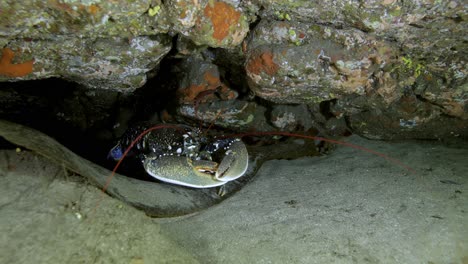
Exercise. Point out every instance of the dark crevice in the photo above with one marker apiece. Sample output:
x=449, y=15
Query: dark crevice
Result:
x=254, y=23
x=84, y=120
x=325, y=108
x=457, y=19
x=416, y=25
x=424, y=100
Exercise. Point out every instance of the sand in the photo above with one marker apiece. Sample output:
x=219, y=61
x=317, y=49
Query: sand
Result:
x=346, y=207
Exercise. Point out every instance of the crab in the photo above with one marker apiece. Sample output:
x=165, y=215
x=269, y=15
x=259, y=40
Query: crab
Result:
x=184, y=157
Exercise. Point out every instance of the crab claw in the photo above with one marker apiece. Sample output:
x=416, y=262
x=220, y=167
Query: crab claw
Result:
x=234, y=163
x=183, y=171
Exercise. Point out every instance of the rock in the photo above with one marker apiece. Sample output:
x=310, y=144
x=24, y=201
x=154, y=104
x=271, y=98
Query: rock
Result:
x=408, y=118
x=291, y=118
x=27, y=19
x=368, y=67
x=384, y=69
x=305, y=64
x=107, y=45
x=234, y=115
x=116, y=63
x=100, y=44
x=183, y=14
x=219, y=25
x=201, y=83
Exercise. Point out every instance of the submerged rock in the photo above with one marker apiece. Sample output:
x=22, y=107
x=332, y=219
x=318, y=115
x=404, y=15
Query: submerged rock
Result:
x=107, y=45
x=383, y=69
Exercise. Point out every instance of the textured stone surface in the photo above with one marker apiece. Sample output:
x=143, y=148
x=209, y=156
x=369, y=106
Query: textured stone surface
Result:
x=201, y=83
x=291, y=118
x=106, y=63
x=296, y=63
x=234, y=115
x=109, y=45
x=393, y=70
x=220, y=25
x=383, y=69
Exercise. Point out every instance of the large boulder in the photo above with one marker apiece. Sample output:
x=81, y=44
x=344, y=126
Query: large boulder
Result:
x=107, y=44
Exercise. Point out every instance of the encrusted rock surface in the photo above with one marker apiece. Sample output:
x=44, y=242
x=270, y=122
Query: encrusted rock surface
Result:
x=391, y=69
x=383, y=69
x=105, y=63
x=108, y=45
x=202, y=84
x=297, y=63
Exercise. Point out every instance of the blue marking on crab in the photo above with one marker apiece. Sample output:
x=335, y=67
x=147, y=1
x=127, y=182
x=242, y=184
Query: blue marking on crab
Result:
x=115, y=153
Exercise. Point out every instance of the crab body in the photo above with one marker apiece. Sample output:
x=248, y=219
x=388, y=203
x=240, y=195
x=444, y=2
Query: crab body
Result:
x=181, y=155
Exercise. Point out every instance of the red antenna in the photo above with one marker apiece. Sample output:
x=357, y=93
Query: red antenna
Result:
x=138, y=138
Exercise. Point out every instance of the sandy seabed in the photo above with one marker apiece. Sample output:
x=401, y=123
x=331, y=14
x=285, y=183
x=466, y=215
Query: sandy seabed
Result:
x=347, y=207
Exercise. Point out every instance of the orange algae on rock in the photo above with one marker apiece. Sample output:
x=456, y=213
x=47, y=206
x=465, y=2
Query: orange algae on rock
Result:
x=222, y=16
x=14, y=70
x=93, y=9
x=204, y=92
x=212, y=80
x=262, y=62
x=189, y=94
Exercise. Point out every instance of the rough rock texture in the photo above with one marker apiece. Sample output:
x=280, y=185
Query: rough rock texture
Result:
x=235, y=115
x=202, y=83
x=383, y=69
x=106, y=63
x=297, y=63
x=397, y=70
x=291, y=117
x=108, y=45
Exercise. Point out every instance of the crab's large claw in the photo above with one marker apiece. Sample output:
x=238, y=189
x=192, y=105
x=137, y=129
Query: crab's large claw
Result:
x=234, y=163
x=181, y=170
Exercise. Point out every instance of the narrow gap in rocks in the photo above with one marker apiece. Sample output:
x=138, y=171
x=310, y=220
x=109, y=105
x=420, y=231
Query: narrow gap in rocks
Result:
x=87, y=121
